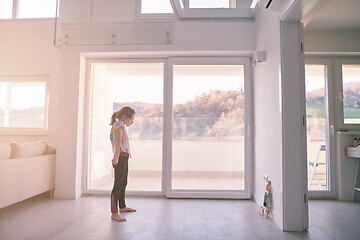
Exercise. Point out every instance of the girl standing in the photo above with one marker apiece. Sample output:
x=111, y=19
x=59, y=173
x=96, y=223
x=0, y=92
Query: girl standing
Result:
x=121, y=149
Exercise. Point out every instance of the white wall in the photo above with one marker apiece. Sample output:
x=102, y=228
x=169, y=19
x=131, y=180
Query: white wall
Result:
x=190, y=35
x=332, y=42
x=293, y=128
x=26, y=48
x=218, y=37
x=267, y=112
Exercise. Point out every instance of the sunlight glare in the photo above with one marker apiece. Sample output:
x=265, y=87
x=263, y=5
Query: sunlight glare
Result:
x=37, y=8
x=6, y=9
x=156, y=6
x=25, y=97
x=209, y=4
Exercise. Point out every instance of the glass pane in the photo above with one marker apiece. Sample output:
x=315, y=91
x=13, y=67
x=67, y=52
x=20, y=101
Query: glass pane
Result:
x=37, y=8
x=23, y=105
x=351, y=91
x=156, y=6
x=212, y=4
x=316, y=126
x=6, y=7
x=208, y=127
x=140, y=86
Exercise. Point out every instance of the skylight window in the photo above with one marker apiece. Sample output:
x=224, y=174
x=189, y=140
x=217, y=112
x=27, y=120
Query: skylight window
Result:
x=212, y=3
x=156, y=6
x=36, y=8
x=182, y=9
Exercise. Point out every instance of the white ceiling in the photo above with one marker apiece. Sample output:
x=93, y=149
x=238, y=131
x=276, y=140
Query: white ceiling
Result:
x=337, y=15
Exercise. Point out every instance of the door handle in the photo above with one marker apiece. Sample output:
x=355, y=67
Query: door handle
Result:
x=332, y=129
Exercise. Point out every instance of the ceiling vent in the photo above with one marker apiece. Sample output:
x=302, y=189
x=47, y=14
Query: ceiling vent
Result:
x=272, y=5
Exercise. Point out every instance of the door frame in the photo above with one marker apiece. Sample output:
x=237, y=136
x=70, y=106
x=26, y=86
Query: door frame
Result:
x=167, y=59
x=330, y=137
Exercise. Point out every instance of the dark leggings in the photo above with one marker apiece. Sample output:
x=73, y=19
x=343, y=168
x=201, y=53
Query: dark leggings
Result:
x=120, y=182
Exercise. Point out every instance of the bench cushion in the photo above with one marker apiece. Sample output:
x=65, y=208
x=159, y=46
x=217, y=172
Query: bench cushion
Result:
x=27, y=149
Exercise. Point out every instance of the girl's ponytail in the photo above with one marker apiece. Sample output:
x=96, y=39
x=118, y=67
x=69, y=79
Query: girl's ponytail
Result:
x=113, y=118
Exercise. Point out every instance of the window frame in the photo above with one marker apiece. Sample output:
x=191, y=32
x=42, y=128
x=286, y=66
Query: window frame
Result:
x=27, y=130
x=331, y=111
x=339, y=91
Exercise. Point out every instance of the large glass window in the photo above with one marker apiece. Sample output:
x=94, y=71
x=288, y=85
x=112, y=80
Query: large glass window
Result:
x=208, y=127
x=351, y=93
x=189, y=134
x=22, y=103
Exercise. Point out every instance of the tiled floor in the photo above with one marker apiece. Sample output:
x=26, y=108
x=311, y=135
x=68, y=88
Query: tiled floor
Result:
x=160, y=218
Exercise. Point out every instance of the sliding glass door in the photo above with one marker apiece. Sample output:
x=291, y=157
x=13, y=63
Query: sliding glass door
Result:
x=208, y=128
x=115, y=84
x=191, y=135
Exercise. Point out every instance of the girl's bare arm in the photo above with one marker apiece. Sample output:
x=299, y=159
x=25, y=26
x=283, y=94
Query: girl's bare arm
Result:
x=118, y=136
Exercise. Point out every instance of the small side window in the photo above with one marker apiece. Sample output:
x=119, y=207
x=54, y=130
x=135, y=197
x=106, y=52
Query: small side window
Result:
x=36, y=8
x=156, y=6
x=154, y=9
x=23, y=103
x=351, y=93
